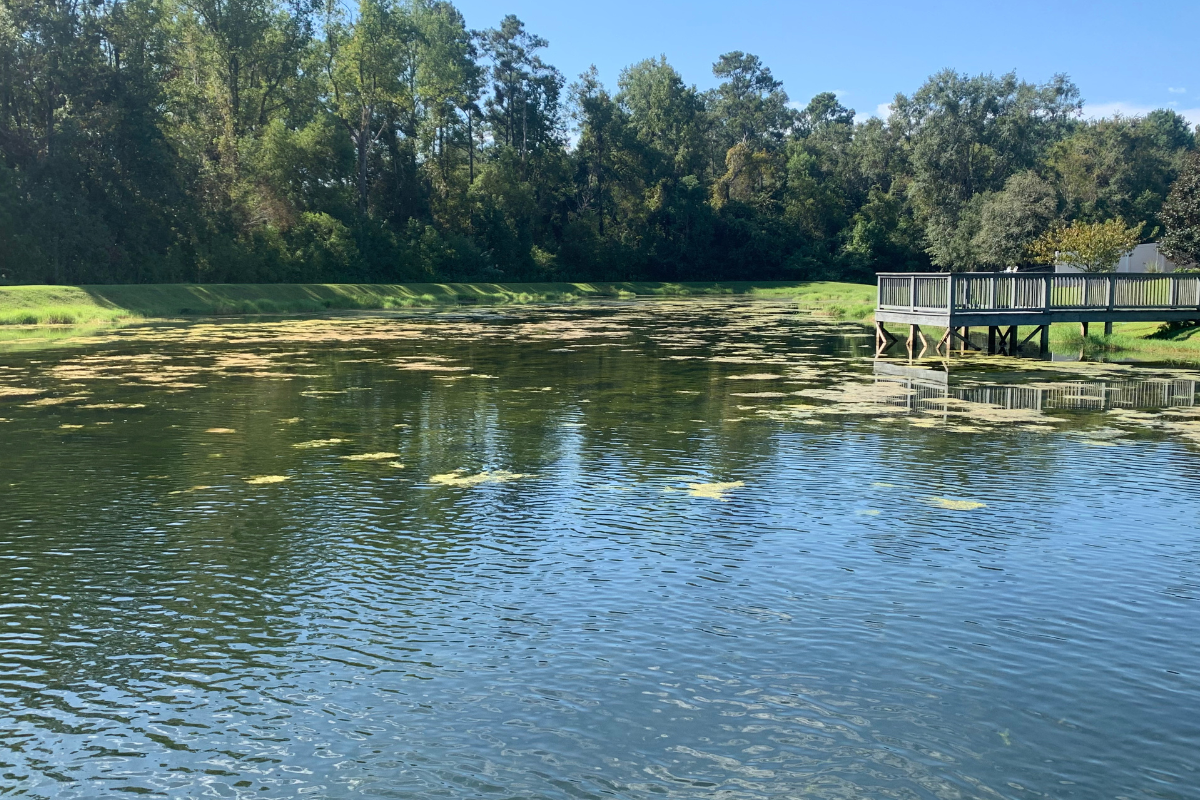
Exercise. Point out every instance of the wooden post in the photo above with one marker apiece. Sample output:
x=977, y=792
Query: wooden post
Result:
x=1108, y=328
x=1083, y=327
x=991, y=340
x=1045, y=340
x=966, y=335
x=1012, y=341
x=912, y=339
x=947, y=339
x=883, y=339
x=1048, y=300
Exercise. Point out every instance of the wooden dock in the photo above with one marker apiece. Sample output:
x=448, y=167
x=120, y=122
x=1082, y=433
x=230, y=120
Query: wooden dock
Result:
x=1003, y=301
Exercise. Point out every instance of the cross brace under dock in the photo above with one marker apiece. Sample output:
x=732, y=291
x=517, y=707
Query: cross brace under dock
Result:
x=1002, y=301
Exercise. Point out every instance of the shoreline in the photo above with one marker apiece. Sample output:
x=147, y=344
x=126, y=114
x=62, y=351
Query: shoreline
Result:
x=31, y=314
x=94, y=304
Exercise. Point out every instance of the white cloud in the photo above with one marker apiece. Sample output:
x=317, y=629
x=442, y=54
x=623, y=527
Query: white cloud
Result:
x=1103, y=110
x=1176, y=90
x=882, y=111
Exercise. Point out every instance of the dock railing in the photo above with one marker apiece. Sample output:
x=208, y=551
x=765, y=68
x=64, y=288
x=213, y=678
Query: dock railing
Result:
x=947, y=292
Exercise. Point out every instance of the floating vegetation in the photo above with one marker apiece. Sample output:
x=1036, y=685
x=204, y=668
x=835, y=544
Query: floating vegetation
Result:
x=202, y=488
x=756, y=376
x=221, y=430
x=382, y=456
x=460, y=477
x=395, y=465
x=55, y=401
x=955, y=505
x=317, y=443
x=714, y=491
x=262, y=480
x=18, y=391
x=758, y=394
x=431, y=366
x=290, y=420
x=68, y=427
x=114, y=406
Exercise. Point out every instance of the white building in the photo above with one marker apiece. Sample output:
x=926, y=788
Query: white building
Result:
x=1143, y=258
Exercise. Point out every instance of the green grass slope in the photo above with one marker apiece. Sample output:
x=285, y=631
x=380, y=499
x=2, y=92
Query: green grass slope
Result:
x=76, y=305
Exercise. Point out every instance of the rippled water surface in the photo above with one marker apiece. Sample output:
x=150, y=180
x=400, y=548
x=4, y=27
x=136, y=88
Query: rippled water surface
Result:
x=693, y=549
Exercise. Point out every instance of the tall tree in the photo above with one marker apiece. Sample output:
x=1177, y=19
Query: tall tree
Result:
x=750, y=104
x=365, y=59
x=966, y=135
x=1181, y=216
x=524, y=107
x=667, y=114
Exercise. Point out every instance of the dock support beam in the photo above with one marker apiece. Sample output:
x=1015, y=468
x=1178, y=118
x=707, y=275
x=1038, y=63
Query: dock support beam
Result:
x=883, y=339
x=915, y=334
x=1083, y=329
x=992, y=339
x=1044, y=344
x=1108, y=328
x=1013, y=347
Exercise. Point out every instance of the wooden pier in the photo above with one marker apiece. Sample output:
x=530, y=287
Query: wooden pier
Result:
x=1003, y=301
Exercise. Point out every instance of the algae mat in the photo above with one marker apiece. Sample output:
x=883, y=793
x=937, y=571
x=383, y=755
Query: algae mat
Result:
x=674, y=548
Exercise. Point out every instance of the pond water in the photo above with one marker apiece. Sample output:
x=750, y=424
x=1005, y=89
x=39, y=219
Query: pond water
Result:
x=694, y=549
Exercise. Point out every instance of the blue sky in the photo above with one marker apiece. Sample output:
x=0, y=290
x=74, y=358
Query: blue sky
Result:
x=1125, y=57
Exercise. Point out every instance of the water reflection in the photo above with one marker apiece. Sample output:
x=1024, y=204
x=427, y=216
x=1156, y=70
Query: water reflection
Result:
x=908, y=584
x=921, y=387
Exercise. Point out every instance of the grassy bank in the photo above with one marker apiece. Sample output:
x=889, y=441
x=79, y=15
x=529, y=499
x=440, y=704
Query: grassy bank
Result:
x=41, y=312
x=98, y=305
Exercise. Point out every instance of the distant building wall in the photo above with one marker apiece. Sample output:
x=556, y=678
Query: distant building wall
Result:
x=1144, y=258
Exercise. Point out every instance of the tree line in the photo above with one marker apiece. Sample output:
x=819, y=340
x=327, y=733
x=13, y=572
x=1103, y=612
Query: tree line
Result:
x=304, y=140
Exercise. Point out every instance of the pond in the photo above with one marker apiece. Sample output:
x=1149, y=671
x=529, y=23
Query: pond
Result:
x=685, y=548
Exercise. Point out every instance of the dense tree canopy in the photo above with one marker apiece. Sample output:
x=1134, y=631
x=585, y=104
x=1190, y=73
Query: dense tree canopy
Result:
x=1181, y=216
x=289, y=140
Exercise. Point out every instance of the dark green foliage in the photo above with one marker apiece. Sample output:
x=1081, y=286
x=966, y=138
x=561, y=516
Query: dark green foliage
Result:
x=1010, y=220
x=301, y=141
x=1181, y=216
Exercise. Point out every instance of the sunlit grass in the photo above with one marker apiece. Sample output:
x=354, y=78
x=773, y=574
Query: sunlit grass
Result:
x=47, y=305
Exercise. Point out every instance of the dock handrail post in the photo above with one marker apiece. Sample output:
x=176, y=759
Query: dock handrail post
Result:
x=992, y=290
x=1112, y=291
x=1048, y=281
x=912, y=292
x=949, y=292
